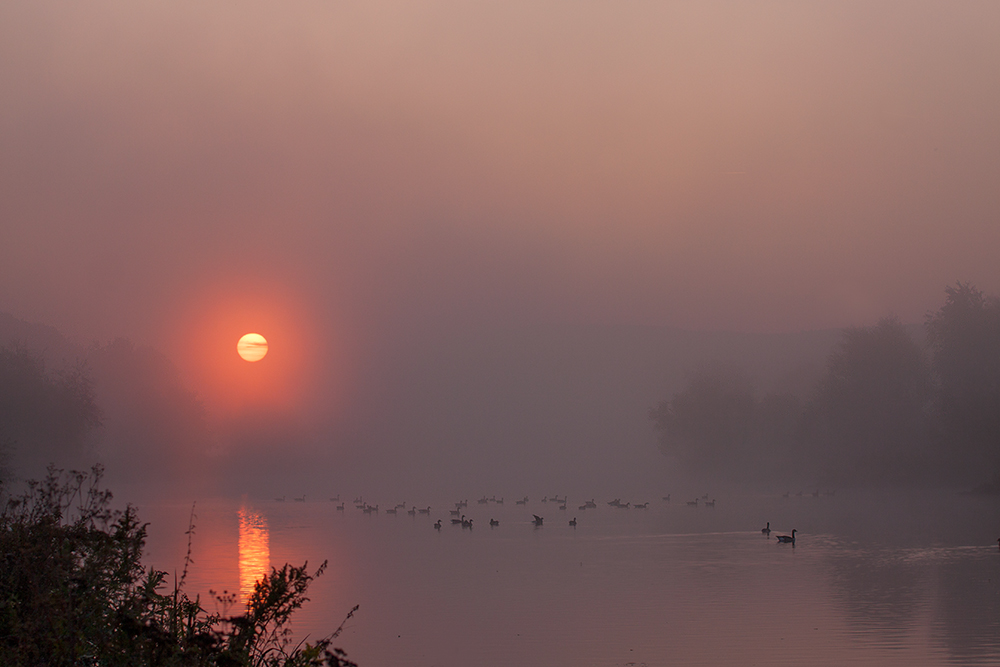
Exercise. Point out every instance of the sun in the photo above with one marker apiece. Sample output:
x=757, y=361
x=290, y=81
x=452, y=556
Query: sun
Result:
x=252, y=347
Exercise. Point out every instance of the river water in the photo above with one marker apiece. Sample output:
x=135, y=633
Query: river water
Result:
x=872, y=578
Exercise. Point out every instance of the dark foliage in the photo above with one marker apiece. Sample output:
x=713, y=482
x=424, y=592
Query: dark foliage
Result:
x=964, y=337
x=885, y=411
x=73, y=591
x=44, y=415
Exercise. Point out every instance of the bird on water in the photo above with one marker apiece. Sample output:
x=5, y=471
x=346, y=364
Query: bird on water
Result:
x=788, y=538
x=766, y=529
x=538, y=519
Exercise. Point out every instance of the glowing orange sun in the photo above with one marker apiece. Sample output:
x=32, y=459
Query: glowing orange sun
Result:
x=252, y=347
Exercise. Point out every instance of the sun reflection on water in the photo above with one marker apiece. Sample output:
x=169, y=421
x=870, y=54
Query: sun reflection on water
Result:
x=254, y=549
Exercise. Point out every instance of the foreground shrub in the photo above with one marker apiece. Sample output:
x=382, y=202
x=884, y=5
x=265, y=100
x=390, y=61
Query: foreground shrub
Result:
x=73, y=591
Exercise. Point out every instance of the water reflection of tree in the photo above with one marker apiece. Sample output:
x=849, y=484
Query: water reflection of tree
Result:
x=967, y=613
x=880, y=594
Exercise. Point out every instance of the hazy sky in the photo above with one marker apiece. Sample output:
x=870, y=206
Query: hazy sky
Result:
x=354, y=174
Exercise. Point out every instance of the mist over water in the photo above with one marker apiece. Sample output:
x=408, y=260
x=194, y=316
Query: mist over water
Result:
x=737, y=254
x=873, y=578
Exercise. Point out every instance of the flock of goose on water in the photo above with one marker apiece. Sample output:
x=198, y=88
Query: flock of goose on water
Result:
x=458, y=518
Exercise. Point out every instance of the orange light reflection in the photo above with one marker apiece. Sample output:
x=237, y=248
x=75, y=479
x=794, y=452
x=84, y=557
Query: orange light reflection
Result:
x=255, y=552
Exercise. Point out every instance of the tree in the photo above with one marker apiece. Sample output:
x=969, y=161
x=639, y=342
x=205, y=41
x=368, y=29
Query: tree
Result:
x=708, y=425
x=964, y=338
x=867, y=422
x=43, y=415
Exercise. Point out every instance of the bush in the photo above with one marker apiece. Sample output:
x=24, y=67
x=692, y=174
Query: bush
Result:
x=73, y=591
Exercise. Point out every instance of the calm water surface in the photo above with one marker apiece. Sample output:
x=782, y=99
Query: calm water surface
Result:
x=873, y=579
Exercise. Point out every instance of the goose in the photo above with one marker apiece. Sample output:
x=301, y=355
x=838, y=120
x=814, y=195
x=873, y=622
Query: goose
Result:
x=412, y=511
x=766, y=530
x=279, y=500
x=785, y=494
x=573, y=522
x=437, y=525
x=583, y=507
x=667, y=497
x=642, y=506
x=392, y=511
x=615, y=503
x=591, y=504
x=563, y=506
x=710, y=503
x=500, y=502
x=483, y=500
x=788, y=538
x=494, y=522
x=458, y=521
x=302, y=499
x=693, y=503
x=455, y=512
x=426, y=511
x=538, y=519
x=467, y=524
x=335, y=499
x=340, y=507
x=522, y=502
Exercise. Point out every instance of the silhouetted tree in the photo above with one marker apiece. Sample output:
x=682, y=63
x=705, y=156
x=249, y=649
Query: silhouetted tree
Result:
x=867, y=423
x=964, y=338
x=44, y=416
x=708, y=425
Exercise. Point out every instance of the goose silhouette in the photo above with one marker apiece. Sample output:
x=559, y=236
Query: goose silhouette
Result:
x=766, y=530
x=788, y=539
x=494, y=522
x=538, y=519
x=573, y=522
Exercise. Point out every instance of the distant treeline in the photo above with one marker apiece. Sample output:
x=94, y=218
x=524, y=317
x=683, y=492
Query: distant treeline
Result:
x=887, y=411
x=117, y=402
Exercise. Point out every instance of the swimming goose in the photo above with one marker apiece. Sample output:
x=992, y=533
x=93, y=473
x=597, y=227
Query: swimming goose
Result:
x=642, y=506
x=538, y=519
x=426, y=511
x=573, y=522
x=494, y=522
x=458, y=521
x=788, y=538
x=340, y=507
x=710, y=503
x=412, y=511
x=667, y=497
x=455, y=512
x=766, y=530
x=467, y=524
x=693, y=503
x=437, y=525
x=392, y=511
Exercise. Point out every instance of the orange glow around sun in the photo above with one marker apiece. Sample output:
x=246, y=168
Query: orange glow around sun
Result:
x=305, y=362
